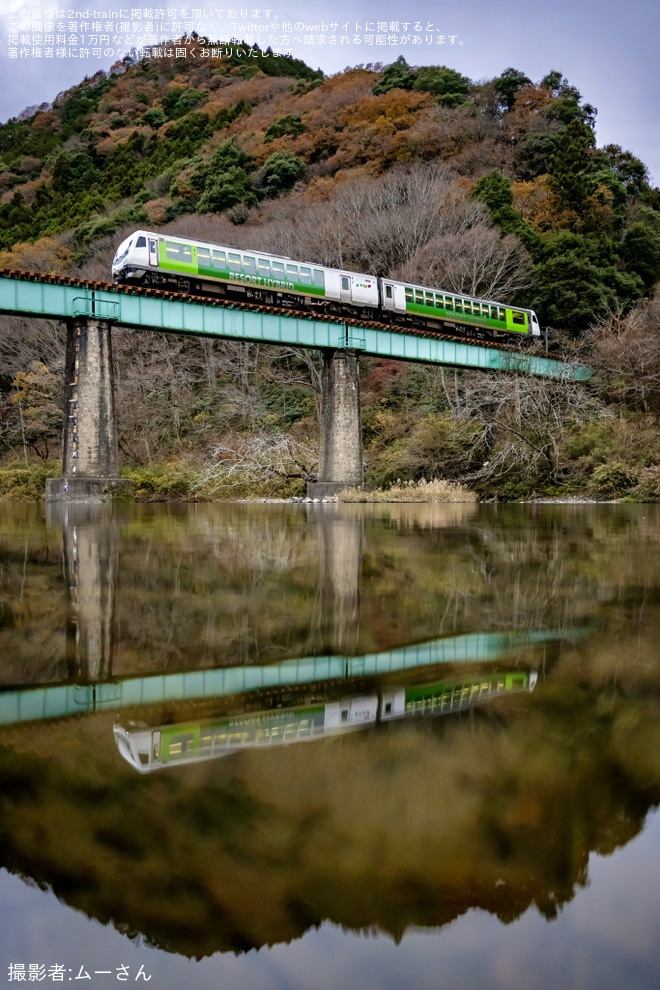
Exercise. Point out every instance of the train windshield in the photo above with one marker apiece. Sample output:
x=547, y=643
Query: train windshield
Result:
x=123, y=250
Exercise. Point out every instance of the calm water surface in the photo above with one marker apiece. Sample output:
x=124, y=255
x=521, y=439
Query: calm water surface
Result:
x=290, y=746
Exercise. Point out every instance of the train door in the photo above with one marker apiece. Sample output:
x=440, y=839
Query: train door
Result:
x=153, y=252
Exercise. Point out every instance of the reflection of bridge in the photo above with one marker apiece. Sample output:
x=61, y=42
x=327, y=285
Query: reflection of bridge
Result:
x=90, y=451
x=58, y=701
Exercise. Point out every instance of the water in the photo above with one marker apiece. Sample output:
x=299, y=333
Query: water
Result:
x=277, y=746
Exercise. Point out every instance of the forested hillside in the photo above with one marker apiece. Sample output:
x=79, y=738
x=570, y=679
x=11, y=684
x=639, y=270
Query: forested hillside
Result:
x=495, y=188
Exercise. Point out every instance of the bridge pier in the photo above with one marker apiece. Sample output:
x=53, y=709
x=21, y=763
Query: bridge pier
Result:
x=90, y=453
x=340, y=461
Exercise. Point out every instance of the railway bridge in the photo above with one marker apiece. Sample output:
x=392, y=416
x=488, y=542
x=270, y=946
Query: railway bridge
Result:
x=90, y=459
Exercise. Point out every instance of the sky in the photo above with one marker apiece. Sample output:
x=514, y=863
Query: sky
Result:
x=608, y=49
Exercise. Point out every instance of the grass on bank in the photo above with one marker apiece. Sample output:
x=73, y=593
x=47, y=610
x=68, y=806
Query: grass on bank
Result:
x=412, y=491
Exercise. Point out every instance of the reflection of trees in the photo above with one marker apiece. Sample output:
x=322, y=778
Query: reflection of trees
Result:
x=228, y=584
x=409, y=825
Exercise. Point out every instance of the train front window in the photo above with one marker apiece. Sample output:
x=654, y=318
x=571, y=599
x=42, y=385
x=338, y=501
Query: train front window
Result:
x=141, y=241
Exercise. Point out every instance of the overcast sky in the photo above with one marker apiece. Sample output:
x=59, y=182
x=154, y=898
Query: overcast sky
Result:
x=608, y=49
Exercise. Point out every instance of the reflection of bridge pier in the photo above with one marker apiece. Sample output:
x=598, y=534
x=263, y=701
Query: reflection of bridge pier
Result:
x=91, y=553
x=340, y=548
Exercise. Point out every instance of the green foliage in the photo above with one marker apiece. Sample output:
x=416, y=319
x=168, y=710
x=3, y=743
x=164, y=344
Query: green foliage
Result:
x=290, y=125
x=613, y=481
x=572, y=169
x=398, y=75
x=449, y=86
x=508, y=85
x=225, y=189
x=640, y=246
x=20, y=483
x=279, y=173
x=154, y=117
x=648, y=489
x=162, y=483
x=435, y=446
x=179, y=101
x=102, y=225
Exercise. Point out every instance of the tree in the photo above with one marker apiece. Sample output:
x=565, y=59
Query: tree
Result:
x=279, y=173
x=508, y=85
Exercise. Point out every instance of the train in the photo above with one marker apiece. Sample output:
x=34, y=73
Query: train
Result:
x=152, y=748
x=200, y=268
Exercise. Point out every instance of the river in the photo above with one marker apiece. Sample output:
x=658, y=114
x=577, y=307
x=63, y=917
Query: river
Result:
x=281, y=747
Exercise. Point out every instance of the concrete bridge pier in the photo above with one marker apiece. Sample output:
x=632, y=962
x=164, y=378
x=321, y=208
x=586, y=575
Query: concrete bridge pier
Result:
x=90, y=453
x=340, y=462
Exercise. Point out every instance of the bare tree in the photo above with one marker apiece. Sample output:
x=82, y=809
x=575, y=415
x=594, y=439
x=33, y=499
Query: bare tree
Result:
x=625, y=348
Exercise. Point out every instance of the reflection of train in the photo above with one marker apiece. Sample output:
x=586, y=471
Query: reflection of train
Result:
x=196, y=267
x=148, y=748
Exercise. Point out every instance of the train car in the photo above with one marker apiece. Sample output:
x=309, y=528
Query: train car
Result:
x=198, y=267
x=444, y=697
x=437, y=308
x=148, y=748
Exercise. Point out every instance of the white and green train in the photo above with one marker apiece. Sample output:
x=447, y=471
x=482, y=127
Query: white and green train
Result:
x=152, y=748
x=200, y=268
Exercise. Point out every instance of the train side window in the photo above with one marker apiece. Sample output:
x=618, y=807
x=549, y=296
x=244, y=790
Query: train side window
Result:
x=220, y=260
x=502, y=315
x=292, y=272
x=429, y=298
x=493, y=313
x=439, y=302
x=319, y=280
x=419, y=297
x=449, y=304
x=519, y=318
x=204, y=257
x=467, y=307
x=388, y=291
x=278, y=269
x=249, y=265
x=234, y=262
x=458, y=305
x=409, y=294
x=305, y=275
x=178, y=252
x=263, y=267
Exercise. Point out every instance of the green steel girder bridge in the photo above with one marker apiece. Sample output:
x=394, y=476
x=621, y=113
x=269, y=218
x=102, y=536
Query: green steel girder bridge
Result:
x=66, y=299
x=90, y=309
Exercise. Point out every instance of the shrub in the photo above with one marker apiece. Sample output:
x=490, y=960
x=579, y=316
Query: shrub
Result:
x=411, y=491
x=611, y=481
x=20, y=483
